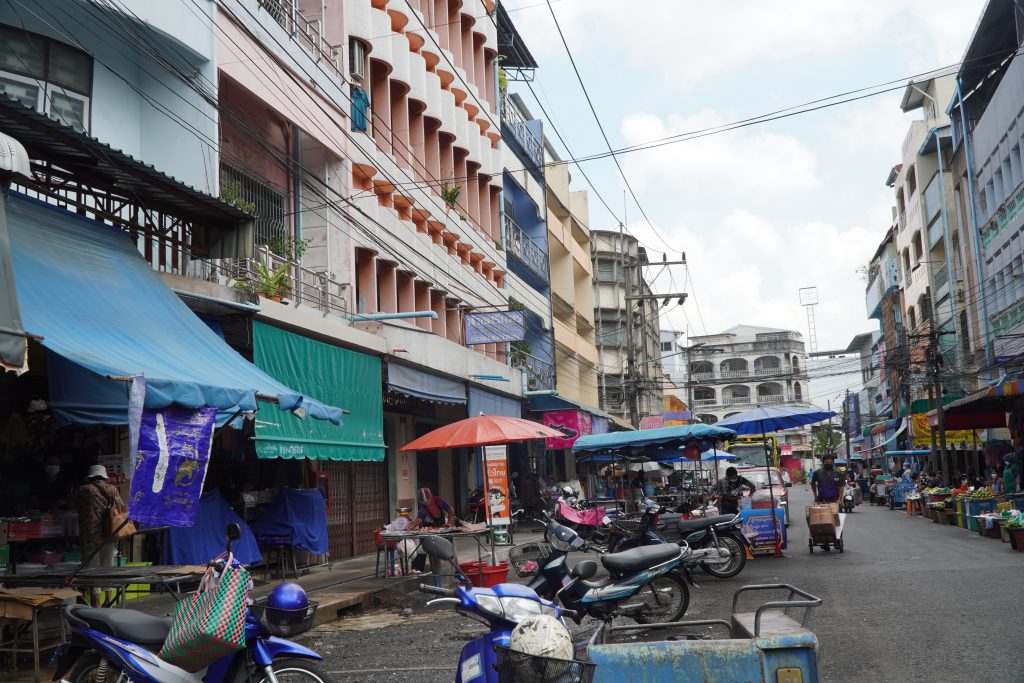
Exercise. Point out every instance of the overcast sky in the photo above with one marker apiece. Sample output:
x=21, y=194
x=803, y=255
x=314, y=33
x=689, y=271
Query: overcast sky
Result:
x=765, y=210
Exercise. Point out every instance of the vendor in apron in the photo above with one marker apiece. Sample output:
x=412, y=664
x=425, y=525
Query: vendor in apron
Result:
x=826, y=482
x=435, y=511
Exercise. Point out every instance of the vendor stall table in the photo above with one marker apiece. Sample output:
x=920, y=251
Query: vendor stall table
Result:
x=21, y=610
x=117, y=579
x=416, y=537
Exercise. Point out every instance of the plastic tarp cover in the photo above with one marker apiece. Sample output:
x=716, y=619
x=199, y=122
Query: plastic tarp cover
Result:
x=205, y=541
x=299, y=514
x=663, y=436
x=95, y=301
x=489, y=403
x=418, y=384
x=332, y=374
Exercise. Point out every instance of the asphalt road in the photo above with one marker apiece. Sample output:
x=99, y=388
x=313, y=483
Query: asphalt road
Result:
x=908, y=600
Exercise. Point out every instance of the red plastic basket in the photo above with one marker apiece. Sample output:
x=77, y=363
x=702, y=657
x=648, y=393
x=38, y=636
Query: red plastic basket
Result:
x=492, y=575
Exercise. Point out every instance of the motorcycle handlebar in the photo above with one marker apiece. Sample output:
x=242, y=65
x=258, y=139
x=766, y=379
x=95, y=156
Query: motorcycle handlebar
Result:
x=437, y=590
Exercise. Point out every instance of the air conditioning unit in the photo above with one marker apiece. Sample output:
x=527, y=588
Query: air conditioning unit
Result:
x=357, y=60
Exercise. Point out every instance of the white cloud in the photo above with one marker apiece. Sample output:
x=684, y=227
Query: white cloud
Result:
x=748, y=269
x=737, y=167
x=686, y=43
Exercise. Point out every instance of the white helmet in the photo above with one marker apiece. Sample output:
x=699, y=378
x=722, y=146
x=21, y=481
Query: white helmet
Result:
x=568, y=492
x=542, y=635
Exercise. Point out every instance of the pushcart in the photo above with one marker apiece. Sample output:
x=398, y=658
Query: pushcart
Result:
x=827, y=537
x=898, y=494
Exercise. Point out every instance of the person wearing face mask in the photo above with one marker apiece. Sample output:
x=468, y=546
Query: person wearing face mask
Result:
x=53, y=486
x=826, y=482
x=730, y=490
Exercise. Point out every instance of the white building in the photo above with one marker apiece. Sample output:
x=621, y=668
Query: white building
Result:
x=673, y=364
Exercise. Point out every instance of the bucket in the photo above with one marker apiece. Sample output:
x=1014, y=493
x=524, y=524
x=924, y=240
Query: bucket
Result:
x=492, y=575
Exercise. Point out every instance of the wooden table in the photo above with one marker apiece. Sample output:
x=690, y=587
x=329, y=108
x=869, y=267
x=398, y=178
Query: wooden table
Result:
x=20, y=612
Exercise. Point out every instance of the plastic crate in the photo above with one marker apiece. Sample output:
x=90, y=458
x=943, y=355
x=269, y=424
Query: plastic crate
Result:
x=525, y=559
x=516, y=667
x=976, y=507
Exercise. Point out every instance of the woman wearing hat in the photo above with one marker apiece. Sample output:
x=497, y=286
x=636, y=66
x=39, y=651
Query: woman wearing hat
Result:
x=94, y=499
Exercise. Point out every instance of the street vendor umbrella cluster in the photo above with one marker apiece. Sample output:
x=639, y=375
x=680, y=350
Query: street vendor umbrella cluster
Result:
x=762, y=420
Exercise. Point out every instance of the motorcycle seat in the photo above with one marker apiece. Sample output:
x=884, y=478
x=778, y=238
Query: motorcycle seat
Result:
x=702, y=522
x=640, y=558
x=126, y=624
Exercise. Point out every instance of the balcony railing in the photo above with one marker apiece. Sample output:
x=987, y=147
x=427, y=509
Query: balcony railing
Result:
x=262, y=198
x=521, y=132
x=704, y=402
x=308, y=34
x=736, y=400
x=701, y=376
x=768, y=371
x=730, y=374
x=525, y=249
x=539, y=374
x=768, y=399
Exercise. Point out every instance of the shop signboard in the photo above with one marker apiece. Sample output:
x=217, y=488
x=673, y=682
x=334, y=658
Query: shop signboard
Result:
x=757, y=526
x=922, y=432
x=171, y=450
x=785, y=450
x=498, y=503
x=651, y=422
x=572, y=423
x=495, y=327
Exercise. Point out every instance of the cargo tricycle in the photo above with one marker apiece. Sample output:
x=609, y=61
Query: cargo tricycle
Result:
x=770, y=643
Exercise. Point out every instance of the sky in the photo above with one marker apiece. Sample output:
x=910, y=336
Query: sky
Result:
x=765, y=210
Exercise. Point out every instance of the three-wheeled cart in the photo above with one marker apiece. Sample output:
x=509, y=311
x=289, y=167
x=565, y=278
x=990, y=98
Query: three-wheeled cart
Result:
x=769, y=644
x=825, y=531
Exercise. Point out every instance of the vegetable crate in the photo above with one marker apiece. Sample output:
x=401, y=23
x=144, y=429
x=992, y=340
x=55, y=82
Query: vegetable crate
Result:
x=976, y=507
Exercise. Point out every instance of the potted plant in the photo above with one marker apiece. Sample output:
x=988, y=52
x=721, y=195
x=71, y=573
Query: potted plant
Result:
x=271, y=283
x=450, y=195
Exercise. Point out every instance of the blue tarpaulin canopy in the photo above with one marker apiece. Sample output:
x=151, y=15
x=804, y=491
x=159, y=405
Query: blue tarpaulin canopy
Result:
x=299, y=516
x=774, y=418
x=652, y=442
x=201, y=543
x=95, y=301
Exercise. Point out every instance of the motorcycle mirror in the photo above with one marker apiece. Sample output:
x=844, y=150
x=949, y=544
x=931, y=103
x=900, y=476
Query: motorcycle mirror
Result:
x=234, y=532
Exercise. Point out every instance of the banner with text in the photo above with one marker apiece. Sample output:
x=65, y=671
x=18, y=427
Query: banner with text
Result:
x=496, y=327
x=572, y=423
x=498, y=503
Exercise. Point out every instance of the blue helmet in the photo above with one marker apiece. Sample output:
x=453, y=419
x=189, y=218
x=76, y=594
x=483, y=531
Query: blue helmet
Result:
x=287, y=596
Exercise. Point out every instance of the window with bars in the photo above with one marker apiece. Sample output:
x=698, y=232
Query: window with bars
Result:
x=609, y=271
x=45, y=75
x=260, y=197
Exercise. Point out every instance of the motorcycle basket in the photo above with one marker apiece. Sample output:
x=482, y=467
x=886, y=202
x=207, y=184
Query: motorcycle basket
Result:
x=516, y=667
x=526, y=558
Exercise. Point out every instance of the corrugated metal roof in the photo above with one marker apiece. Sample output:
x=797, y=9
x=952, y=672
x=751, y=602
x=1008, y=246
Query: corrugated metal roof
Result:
x=100, y=165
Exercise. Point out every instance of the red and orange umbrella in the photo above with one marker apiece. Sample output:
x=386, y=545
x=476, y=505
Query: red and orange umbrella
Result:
x=482, y=430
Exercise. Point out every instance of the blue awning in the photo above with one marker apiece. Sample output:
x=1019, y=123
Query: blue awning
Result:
x=423, y=385
x=96, y=303
x=540, y=404
x=489, y=403
x=661, y=438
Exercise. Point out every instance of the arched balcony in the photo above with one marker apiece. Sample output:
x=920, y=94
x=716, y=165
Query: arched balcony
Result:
x=735, y=394
x=796, y=365
x=707, y=418
x=767, y=365
x=704, y=396
x=797, y=392
x=734, y=367
x=770, y=393
x=701, y=370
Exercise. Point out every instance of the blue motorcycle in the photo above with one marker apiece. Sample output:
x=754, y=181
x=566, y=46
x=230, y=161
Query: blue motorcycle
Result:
x=501, y=608
x=647, y=584
x=121, y=645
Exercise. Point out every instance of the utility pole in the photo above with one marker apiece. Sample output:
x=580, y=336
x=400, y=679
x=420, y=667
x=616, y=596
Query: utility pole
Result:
x=828, y=407
x=628, y=387
x=846, y=427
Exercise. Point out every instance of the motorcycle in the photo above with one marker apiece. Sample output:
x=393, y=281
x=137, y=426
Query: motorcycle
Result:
x=500, y=608
x=590, y=523
x=647, y=584
x=721, y=533
x=120, y=645
x=475, y=511
x=849, y=499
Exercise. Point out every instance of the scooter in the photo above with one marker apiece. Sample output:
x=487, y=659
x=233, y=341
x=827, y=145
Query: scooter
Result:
x=717, y=543
x=590, y=523
x=849, y=498
x=647, y=584
x=475, y=506
x=500, y=608
x=120, y=645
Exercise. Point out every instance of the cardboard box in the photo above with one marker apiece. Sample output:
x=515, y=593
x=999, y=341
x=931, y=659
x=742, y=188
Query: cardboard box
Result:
x=822, y=516
x=17, y=603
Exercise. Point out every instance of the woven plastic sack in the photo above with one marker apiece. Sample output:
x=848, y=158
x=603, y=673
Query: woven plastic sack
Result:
x=210, y=623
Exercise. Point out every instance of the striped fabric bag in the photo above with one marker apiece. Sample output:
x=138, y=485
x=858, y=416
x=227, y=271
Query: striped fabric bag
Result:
x=210, y=623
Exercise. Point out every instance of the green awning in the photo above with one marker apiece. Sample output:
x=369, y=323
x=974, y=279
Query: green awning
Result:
x=336, y=376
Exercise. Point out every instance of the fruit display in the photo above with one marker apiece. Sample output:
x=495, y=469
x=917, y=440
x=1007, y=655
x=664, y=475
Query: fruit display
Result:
x=938, y=491
x=983, y=494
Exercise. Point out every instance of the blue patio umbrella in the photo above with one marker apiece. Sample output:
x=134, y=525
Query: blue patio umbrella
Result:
x=764, y=419
x=714, y=454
